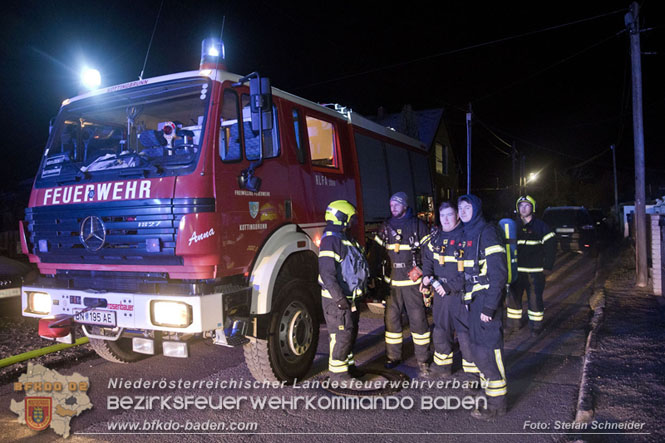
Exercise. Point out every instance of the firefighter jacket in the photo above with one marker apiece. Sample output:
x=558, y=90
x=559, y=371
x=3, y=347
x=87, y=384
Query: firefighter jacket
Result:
x=332, y=251
x=536, y=246
x=400, y=243
x=440, y=259
x=484, y=261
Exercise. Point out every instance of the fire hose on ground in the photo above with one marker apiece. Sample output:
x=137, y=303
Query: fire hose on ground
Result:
x=39, y=352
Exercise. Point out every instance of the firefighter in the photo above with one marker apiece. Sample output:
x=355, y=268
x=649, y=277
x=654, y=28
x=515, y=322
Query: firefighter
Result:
x=441, y=273
x=338, y=298
x=399, y=241
x=536, y=248
x=485, y=274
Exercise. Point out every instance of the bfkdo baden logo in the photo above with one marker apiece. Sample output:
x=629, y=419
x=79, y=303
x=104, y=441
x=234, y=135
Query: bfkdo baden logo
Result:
x=51, y=399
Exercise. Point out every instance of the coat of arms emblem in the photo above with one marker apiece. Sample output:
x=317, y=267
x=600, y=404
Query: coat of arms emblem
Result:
x=253, y=209
x=38, y=412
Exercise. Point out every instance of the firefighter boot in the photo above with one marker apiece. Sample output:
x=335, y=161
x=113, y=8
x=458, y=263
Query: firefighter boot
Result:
x=488, y=414
x=513, y=325
x=343, y=379
x=423, y=370
x=391, y=364
x=496, y=407
x=355, y=372
x=536, y=330
x=441, y=371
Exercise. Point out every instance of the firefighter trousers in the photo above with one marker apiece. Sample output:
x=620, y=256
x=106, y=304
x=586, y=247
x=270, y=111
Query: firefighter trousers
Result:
x=450, y=318
x=343, y=330
x=406, y=299
x=487, y=349
x=534, y=285
x=492, y=375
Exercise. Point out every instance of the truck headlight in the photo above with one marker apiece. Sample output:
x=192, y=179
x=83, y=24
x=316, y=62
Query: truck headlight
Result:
x=39, y=303
x=175, y=314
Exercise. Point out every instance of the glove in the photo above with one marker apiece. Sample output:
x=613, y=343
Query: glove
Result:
x=438, y=288
x=427, y=300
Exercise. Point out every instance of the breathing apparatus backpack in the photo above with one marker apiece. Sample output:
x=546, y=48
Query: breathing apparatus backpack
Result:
x=355, y=270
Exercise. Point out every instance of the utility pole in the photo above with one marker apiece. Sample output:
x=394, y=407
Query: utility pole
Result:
x=468, y=151
x=616, y=188
x=632, y=23
x=556, y=187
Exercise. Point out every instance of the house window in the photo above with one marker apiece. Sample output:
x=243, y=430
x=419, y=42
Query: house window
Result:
x=322, y=148
x=441, y=160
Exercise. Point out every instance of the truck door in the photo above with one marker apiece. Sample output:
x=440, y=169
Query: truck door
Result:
x=247, y=217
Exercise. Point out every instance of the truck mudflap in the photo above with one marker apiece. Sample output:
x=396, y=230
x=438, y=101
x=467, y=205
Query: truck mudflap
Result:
x=186, y=314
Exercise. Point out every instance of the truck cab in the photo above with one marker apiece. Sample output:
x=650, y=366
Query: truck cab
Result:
x=192, y=205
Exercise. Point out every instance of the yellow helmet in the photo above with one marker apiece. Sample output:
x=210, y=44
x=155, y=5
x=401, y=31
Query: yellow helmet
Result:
x=528, y=199
x=340, y=212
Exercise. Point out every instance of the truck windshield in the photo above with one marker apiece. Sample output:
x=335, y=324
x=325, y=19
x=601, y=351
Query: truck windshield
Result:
x=150, y=131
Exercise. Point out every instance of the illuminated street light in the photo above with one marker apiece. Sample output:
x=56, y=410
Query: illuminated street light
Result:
x=532, y=177
x=90, y=78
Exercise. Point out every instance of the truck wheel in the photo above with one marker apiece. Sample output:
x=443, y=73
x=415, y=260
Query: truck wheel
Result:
x=292, y=338
x=119, y=351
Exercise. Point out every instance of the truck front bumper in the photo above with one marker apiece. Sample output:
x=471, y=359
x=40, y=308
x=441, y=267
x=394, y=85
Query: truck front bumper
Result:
x=186, y=314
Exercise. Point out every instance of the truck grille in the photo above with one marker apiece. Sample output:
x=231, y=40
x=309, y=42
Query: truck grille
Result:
x=128, y=224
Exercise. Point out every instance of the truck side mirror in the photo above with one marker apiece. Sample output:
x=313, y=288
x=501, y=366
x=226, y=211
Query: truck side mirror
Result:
x=260, y=102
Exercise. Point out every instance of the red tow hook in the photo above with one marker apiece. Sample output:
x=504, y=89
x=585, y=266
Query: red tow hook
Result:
x=57, y=327
x=61, y=324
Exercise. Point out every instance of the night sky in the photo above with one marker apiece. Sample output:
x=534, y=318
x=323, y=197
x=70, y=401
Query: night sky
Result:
x=563, y=94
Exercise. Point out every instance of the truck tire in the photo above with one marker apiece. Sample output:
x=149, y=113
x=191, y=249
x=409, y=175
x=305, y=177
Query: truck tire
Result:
x=119, y=351
x=293, y=336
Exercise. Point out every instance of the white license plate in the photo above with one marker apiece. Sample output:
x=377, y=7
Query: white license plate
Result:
x=565, y=230
x=11, y=292
x=95, y=317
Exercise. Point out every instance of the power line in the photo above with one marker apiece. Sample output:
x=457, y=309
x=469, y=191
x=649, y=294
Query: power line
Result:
x=458, y=50
x=507, y=154
x=493, y=130
x=528, y=142
x=547, y=68
x=494, y=134
x=589, y=160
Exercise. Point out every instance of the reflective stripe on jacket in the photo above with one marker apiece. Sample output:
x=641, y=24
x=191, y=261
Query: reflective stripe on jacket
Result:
x=536, y=246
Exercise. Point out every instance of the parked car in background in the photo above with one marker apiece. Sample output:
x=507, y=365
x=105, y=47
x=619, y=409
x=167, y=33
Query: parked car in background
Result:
x=574, y=227
x=601, y=223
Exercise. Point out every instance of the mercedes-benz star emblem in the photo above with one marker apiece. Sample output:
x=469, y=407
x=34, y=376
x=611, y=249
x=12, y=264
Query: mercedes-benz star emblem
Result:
x=93, y=233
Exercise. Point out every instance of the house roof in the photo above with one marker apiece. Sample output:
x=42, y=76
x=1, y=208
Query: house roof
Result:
x=422, y=125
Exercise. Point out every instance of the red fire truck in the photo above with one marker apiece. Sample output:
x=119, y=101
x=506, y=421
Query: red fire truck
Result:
x=192, y=205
